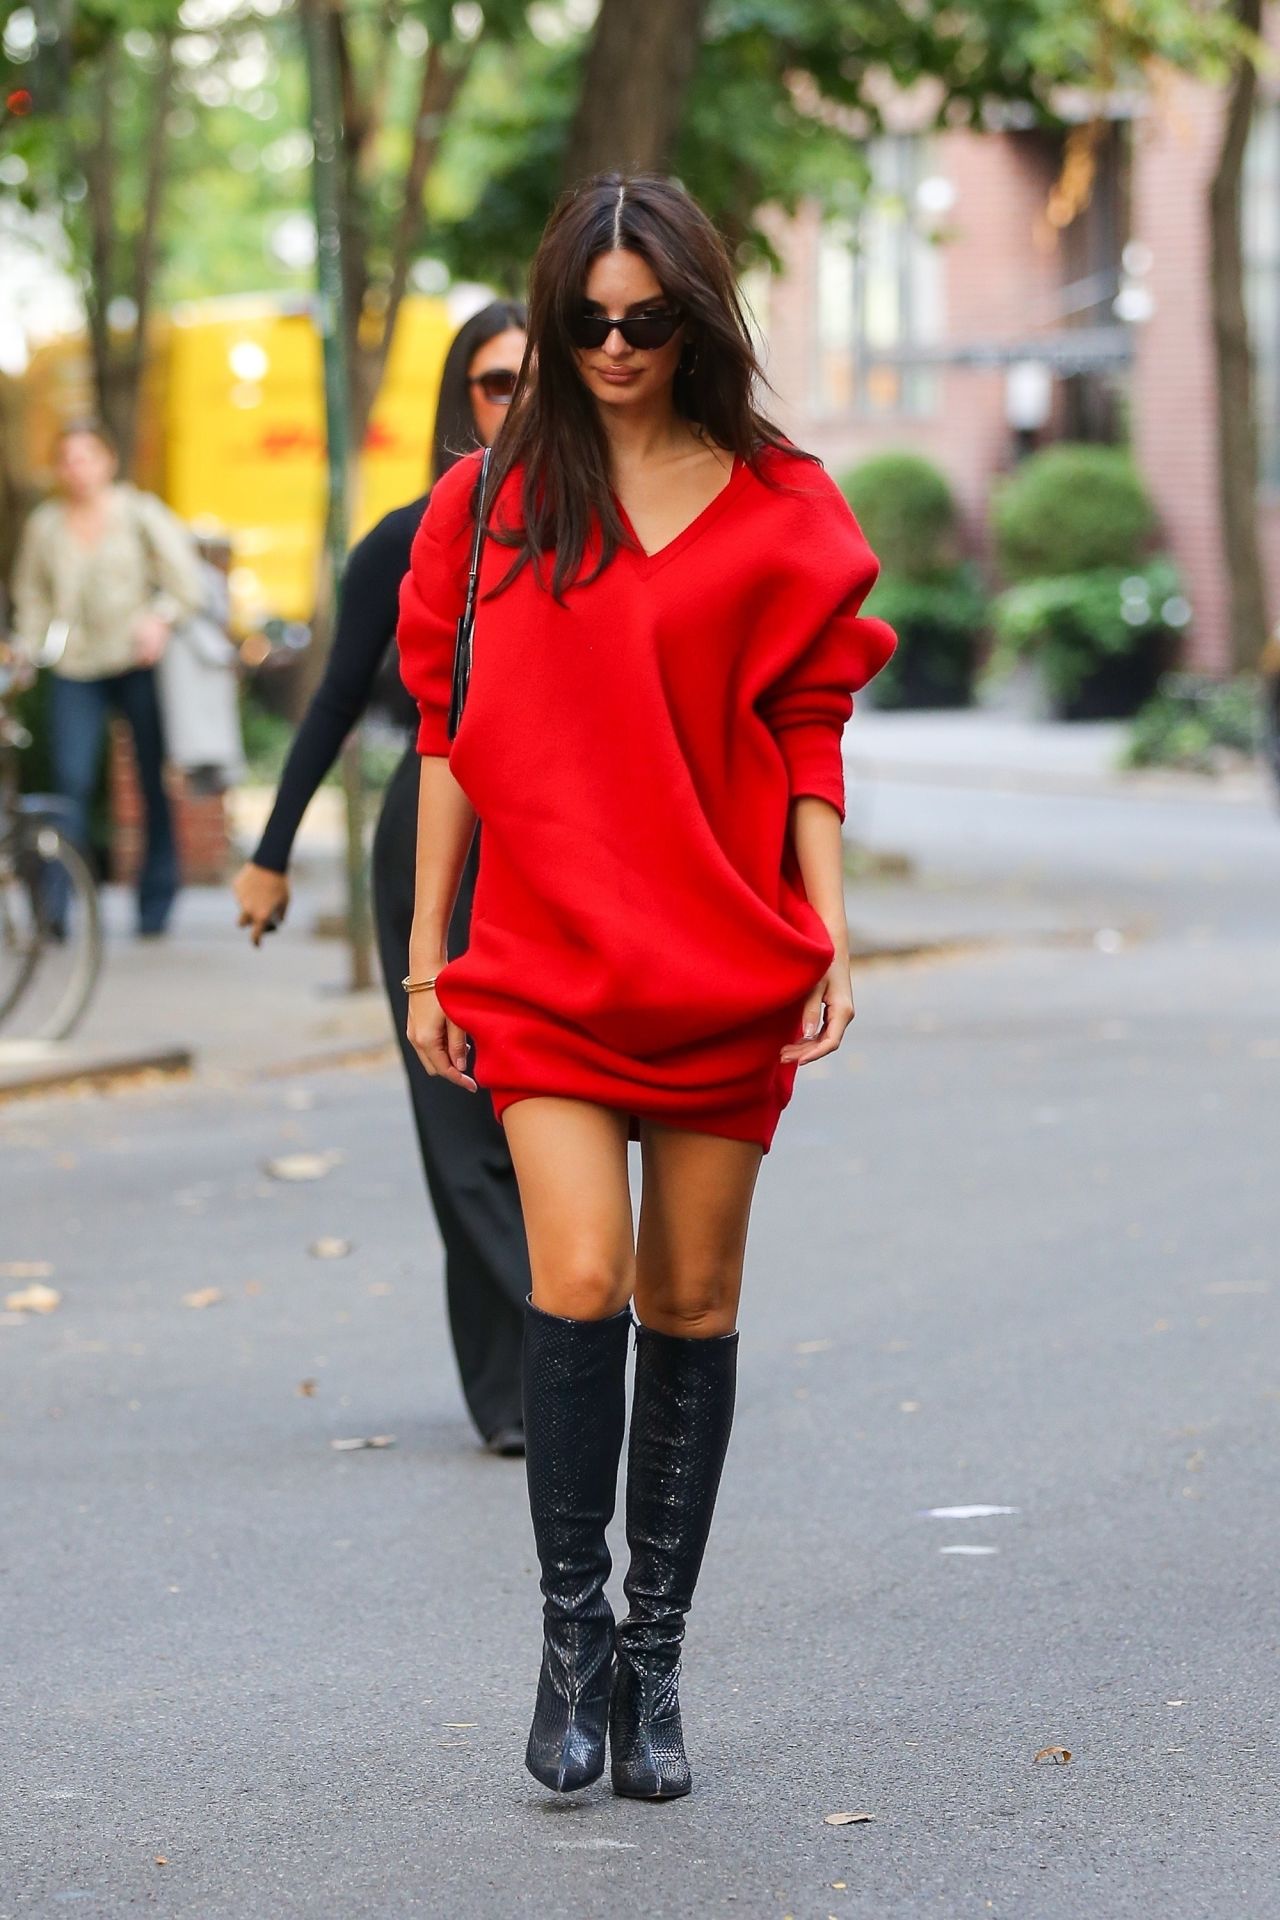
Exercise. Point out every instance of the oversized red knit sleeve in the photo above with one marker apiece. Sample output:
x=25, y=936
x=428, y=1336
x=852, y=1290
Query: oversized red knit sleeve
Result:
x=808, y=705
x=432, y=596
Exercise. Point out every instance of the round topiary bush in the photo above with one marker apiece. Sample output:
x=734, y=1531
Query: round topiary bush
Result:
x=1071, y=509
x=907, y=510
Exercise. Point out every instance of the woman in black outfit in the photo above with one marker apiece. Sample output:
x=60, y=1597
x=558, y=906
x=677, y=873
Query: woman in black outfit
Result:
x=464, y=1152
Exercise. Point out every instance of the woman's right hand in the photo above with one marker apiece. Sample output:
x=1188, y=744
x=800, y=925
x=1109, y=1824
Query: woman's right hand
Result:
x=263, y=899
x=439, y=1044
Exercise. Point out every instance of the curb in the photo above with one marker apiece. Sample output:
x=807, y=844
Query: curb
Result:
x=34, y=1067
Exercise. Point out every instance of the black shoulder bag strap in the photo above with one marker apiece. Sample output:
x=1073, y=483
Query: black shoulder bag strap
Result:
x=462, y=646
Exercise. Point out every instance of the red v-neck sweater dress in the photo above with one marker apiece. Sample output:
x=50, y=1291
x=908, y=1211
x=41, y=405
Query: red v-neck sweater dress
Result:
x=641, y=936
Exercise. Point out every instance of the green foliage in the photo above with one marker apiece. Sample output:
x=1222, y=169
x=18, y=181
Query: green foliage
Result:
x=939, y=623
x=1075, y=622
x=907, y=510
x=1196, y=723
x=1069, y=510
x=267, y=739
x=784, y=94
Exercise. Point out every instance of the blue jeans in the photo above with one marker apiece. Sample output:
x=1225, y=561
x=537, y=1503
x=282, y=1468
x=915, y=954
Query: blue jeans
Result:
x=78, y=711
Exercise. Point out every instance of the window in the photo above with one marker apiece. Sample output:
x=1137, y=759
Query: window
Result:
x=879, y=290
x=1262, y=282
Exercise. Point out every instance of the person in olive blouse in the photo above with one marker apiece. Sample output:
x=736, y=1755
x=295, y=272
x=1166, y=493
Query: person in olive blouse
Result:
x=104, y=573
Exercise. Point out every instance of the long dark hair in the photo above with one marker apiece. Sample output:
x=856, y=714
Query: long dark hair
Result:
x=553, y=429
x=455, y=428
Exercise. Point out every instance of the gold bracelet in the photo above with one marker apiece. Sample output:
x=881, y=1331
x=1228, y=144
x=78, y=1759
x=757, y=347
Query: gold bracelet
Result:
x=419, y=986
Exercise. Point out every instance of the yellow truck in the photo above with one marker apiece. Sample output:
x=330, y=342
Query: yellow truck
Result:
x=232, y=432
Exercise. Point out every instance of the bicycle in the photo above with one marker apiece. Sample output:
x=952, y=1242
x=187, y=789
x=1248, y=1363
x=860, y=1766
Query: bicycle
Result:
x=50, y=925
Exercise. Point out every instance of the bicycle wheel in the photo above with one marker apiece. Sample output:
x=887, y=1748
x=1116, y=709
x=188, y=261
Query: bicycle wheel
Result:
x=19, y=934
x=51, y=895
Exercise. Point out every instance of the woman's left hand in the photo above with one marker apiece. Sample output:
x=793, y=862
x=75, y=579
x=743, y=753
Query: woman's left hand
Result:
x=826, y=1017
x=150, y=638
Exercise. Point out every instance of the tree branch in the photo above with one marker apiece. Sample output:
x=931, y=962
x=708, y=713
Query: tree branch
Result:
x=442, y=80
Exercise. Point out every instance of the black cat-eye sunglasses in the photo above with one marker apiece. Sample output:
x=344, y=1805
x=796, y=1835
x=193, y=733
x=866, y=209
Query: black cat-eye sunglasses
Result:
x=644, y=331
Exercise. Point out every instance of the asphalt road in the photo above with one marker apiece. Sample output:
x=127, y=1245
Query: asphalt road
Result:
x=1015, y=1247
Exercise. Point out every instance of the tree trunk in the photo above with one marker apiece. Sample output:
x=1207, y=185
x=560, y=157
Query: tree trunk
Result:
x=634, y=85
x=1237, y=427
x=97, y=167
x=146, y=249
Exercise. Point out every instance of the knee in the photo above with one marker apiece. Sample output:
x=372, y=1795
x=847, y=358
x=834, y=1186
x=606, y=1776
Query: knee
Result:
x=585, y=1285
x=700, y=1306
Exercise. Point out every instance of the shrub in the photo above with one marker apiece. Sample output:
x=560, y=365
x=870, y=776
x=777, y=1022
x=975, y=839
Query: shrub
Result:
x=907, y=510
x=1196, y=723
x=939, y=624
x=1075, y=624
x=1071, y=509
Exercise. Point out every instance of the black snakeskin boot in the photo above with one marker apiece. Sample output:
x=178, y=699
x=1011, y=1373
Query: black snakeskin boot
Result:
x=680, y=1423
x=574, y=1412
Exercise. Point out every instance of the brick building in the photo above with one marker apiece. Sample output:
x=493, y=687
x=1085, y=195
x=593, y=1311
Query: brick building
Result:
x=980, y=310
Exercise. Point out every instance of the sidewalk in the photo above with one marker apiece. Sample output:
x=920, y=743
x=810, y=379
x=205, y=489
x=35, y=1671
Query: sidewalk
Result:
x=979, y=747
x=206, y=1000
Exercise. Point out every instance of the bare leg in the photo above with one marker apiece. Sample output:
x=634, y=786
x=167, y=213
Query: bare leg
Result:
x=693, y=1230
x=571, y=1163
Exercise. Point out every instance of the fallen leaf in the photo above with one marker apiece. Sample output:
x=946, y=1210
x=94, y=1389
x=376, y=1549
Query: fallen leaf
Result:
x=846, y=1819
x=202, y=1297
x=1059, y=1756
x=162, y=1860
x=33, y=1299
x=307, y=1388
x=372, y=1440
x=25, y=1269
x=301, y=1166
x=329, y=1249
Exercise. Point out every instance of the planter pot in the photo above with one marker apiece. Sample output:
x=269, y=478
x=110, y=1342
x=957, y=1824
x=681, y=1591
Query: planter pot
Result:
x=1118, y=686
x=922, y=682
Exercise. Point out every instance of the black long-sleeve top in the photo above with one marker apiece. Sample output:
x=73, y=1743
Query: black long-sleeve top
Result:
x=367, y=609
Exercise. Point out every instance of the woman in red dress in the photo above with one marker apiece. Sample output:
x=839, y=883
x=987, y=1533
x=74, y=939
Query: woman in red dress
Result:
x=667, y=641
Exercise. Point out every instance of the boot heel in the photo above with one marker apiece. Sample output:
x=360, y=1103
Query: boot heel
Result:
x=646, y=1739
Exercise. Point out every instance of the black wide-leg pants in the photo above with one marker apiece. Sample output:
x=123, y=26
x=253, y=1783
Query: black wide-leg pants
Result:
x=464, y=1152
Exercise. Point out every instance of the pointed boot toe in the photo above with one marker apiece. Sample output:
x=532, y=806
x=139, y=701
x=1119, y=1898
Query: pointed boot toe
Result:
x=566, y=1749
